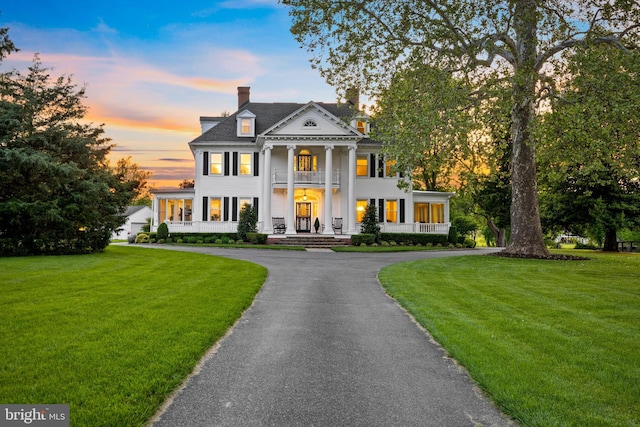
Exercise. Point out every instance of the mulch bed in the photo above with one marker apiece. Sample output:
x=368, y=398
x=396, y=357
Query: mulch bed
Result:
x=552, y=257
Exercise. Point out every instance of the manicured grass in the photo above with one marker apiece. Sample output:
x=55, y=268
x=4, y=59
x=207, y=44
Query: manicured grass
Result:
x=555, y=343
x=242, y=246
x=113, y=334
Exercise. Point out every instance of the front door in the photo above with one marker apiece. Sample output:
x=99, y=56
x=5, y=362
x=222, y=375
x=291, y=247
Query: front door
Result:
x=303, y=217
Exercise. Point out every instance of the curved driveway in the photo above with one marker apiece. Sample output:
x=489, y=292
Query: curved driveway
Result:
x=323, y=345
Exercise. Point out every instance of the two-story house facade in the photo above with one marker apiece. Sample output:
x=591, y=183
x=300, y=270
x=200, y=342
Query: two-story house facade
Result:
x=294, y=163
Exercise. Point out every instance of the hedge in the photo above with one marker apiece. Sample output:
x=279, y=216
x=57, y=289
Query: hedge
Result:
x=406, y=238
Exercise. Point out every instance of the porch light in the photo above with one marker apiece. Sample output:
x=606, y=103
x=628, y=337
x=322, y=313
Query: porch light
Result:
x=304, y=196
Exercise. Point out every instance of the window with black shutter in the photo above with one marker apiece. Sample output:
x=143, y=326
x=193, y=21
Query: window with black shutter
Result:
x=235, y=163
x=226, y=209
x=226, y=163
x=205, y=208
x=256, y=163
x=234, y=209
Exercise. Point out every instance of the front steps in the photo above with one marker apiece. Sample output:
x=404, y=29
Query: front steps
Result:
x=311, y=241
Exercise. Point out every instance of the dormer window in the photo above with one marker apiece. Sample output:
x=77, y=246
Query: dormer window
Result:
x=246, y=124
x=361, y=123
x=310, y=123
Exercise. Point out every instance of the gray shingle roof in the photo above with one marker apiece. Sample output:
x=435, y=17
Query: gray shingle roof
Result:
x=267, y=115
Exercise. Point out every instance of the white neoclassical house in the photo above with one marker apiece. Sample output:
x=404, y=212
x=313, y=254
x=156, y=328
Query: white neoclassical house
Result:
x=295, y=163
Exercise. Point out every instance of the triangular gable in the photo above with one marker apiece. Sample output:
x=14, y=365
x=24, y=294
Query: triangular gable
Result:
x=311, y=120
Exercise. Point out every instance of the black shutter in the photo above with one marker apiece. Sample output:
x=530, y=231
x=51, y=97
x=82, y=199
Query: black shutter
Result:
x=372, y=202
x=205, y=163
x=381, y=211
x=255, y=205
x=381, y=166
x=205, y=208
x=226, y=209
x=235, y=163
x=234, y=209
x=256, y=164
x=402, y=211
x=372, y=165
x=226, y=163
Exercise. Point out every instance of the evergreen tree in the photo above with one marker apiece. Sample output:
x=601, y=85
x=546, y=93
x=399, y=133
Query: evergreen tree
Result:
x=370, y=222
x=247, y=222
x=58, y=194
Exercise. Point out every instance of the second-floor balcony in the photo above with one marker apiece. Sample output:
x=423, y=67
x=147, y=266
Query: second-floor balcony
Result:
x=308, y=178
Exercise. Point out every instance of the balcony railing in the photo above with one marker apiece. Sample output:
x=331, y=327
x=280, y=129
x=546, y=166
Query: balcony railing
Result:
x=304, y=177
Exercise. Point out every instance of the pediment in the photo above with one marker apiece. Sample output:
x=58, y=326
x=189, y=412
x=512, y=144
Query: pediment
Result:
x=311, y=121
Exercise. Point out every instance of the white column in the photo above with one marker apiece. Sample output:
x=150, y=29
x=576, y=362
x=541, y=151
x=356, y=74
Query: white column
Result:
x=351, y=206
x=265, y=209
x=328, y=175
x=290, y=217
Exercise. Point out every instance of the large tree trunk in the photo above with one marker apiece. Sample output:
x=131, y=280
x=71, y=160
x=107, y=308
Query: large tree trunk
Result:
x=526, y=231
x=610, y=241
x=500, y=234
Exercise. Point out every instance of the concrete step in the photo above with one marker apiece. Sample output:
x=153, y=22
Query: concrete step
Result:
x=318, y=242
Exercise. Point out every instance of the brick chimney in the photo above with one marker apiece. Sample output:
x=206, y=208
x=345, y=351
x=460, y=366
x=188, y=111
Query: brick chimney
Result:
x=353, y=97
x=243, y=95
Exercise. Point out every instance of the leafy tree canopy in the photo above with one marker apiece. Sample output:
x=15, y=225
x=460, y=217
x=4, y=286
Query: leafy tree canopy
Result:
x=590, y=155
x=364, y=43
x=58, y=194
x=423, y=117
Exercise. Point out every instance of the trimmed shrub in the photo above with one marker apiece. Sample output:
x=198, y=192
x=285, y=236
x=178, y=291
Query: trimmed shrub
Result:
x=163, y=231
x=414, y=239
x=370, y=222
x=469, y=243
x=585, y=246
x=362, y=239
x=247, y=223
x=142, y=238
x=257, y=238
x=453, y=234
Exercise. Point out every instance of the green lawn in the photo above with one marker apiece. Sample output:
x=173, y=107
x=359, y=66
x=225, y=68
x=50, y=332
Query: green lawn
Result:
x=554, y=343
x=113, y=334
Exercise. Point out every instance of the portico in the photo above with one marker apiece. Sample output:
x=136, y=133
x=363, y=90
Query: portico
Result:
x=313, y=175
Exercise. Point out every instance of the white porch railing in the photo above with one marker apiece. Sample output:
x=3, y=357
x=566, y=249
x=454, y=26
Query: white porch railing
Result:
x=418, y=227
x=304, y=177
x=202, y=227
x=232, y=227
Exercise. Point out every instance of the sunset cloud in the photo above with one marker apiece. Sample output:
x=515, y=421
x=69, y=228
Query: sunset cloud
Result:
x=151, y=72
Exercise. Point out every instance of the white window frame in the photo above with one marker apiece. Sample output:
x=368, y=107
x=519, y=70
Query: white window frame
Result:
x=250, y=164
x=395, y=212
x=211, y=155
x=366, y=157
x=241, y=119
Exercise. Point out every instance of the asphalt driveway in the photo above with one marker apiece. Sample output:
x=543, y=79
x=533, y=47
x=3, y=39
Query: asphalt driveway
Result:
x=323, y=345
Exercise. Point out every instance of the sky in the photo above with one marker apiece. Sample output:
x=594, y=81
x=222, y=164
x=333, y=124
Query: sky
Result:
x=151, y=69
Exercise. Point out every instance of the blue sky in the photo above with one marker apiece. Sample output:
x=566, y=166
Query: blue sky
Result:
x=153, y=68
